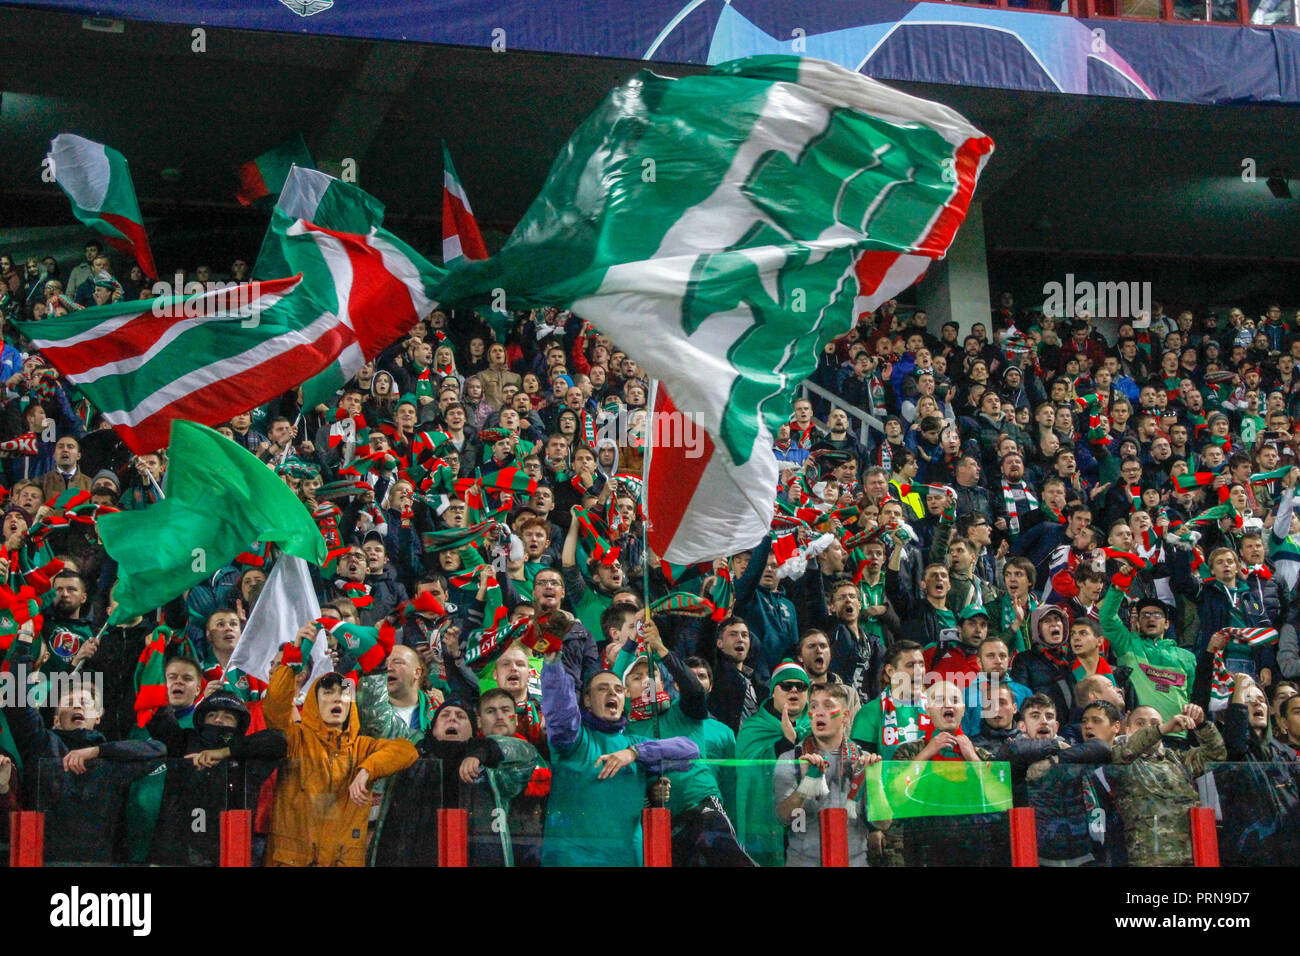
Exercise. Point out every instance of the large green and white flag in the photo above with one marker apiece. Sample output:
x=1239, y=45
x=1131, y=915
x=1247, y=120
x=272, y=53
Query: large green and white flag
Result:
x=722, y=229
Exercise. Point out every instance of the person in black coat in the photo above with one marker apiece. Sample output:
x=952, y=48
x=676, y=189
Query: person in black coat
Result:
x=225, y=771
x=1045, y=668
x=75, y=774
x=1260, y=787
x=1057, y=795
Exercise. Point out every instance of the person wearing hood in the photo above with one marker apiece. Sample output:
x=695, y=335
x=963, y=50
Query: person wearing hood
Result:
x=214, y=764
x=1261, y=795
x=703, y=834
x=607, y=457
x=1046, y=668
x=781, y=721
x=322, y=796
x=1013, y=390
x=600, y=773
x=74, y=773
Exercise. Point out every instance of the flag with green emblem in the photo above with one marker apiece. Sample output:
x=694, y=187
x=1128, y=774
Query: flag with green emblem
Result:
x=723, y=228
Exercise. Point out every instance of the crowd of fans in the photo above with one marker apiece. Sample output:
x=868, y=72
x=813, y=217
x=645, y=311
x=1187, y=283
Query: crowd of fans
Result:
x=1066, y=554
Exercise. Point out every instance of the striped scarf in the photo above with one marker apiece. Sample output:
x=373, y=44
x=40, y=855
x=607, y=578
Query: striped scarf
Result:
x=853, y=767
x=1011, y=495
x=1079, y=672
x=1224, y=684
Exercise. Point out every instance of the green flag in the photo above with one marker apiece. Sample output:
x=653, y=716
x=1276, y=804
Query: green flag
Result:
x=219, y=500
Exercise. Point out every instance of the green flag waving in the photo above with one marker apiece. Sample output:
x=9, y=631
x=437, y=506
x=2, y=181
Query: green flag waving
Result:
x=219, y=500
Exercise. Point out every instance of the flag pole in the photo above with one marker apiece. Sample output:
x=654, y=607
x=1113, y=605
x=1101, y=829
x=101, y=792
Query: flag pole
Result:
x=645, y=554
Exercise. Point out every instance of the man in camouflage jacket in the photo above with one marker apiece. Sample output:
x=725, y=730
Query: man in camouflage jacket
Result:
x=1155, y=786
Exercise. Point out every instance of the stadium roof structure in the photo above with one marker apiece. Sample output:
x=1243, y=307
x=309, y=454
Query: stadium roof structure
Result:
x=1081, y=173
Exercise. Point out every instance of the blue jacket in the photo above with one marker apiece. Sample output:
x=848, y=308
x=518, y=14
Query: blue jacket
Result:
x=773, y=623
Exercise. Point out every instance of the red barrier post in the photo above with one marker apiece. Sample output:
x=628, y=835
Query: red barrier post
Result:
x=26, y=838
x=453, y=838
x=237, y=838
x=833, y=822
x=656, y=837
x=1024, y=837
x=1205, y=838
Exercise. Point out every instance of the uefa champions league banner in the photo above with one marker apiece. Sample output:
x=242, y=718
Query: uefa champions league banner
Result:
x=886, y=39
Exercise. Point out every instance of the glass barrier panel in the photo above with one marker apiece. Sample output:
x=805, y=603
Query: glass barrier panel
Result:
x=1273, y=12
x=1136, y=814
x=124, y=810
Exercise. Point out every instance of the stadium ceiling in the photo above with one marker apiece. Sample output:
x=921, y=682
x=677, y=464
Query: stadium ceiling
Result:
x=1071, y=173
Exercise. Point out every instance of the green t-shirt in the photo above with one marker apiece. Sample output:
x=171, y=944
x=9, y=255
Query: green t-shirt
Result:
x=870, y=727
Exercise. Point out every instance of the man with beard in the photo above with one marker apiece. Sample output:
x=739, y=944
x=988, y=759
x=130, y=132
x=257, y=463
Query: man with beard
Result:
x=1161, y=671
x=600, y=773
x=780, y=722
x=959, y=659
x=814, y=655
x=68, y=625
x=84, y=802
x=214, y=764
x=580, y=656
x=1017, y=499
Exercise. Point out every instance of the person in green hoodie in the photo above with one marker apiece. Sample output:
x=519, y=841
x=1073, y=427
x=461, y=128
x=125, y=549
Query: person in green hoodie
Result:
x=600, y=773
x=1162, y=672
x=780, y=721
x=702, y=832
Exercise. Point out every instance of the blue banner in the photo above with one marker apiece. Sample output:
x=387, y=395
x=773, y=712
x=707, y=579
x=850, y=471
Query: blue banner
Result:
x=886, y=39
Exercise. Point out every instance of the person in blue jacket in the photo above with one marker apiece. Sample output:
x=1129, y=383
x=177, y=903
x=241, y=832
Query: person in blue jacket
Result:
x=600, y=774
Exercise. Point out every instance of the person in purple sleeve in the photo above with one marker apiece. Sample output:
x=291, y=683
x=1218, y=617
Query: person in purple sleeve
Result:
x=600, y=774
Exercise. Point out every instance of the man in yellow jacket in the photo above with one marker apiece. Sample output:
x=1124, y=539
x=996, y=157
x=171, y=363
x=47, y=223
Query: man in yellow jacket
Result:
x=322, y=796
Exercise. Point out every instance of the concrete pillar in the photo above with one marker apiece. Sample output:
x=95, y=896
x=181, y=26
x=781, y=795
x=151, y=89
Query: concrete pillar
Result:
x=956, y=288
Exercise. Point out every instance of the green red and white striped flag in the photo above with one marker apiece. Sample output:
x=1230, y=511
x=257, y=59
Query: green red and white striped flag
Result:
x=264, y=177
x=211, y=356
x=460, y=236
x=97, y=180
x=310, y=196
x=150, y=684
x=723, y=228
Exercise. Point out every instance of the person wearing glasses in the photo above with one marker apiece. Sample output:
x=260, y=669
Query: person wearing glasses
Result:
x=1161, y=672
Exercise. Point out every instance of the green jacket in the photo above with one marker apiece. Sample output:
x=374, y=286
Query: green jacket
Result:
x=761, y=832
x=1162, y=672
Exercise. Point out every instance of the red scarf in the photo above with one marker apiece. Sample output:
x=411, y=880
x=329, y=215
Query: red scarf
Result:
x=947, y=754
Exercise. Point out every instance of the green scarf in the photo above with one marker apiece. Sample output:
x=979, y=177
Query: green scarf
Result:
x=760, y=832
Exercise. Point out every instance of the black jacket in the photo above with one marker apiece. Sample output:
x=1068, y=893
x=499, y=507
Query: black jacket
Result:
x=83, y=812
x=1260, y=794
x=233, y=784
x=1061, y=816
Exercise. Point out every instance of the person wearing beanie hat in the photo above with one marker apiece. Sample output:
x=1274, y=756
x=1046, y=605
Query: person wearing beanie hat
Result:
x=106, y=480
x=600, y=773
x=780, y=722
x=226, y=769
x=703, y=834
x=825, y=769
